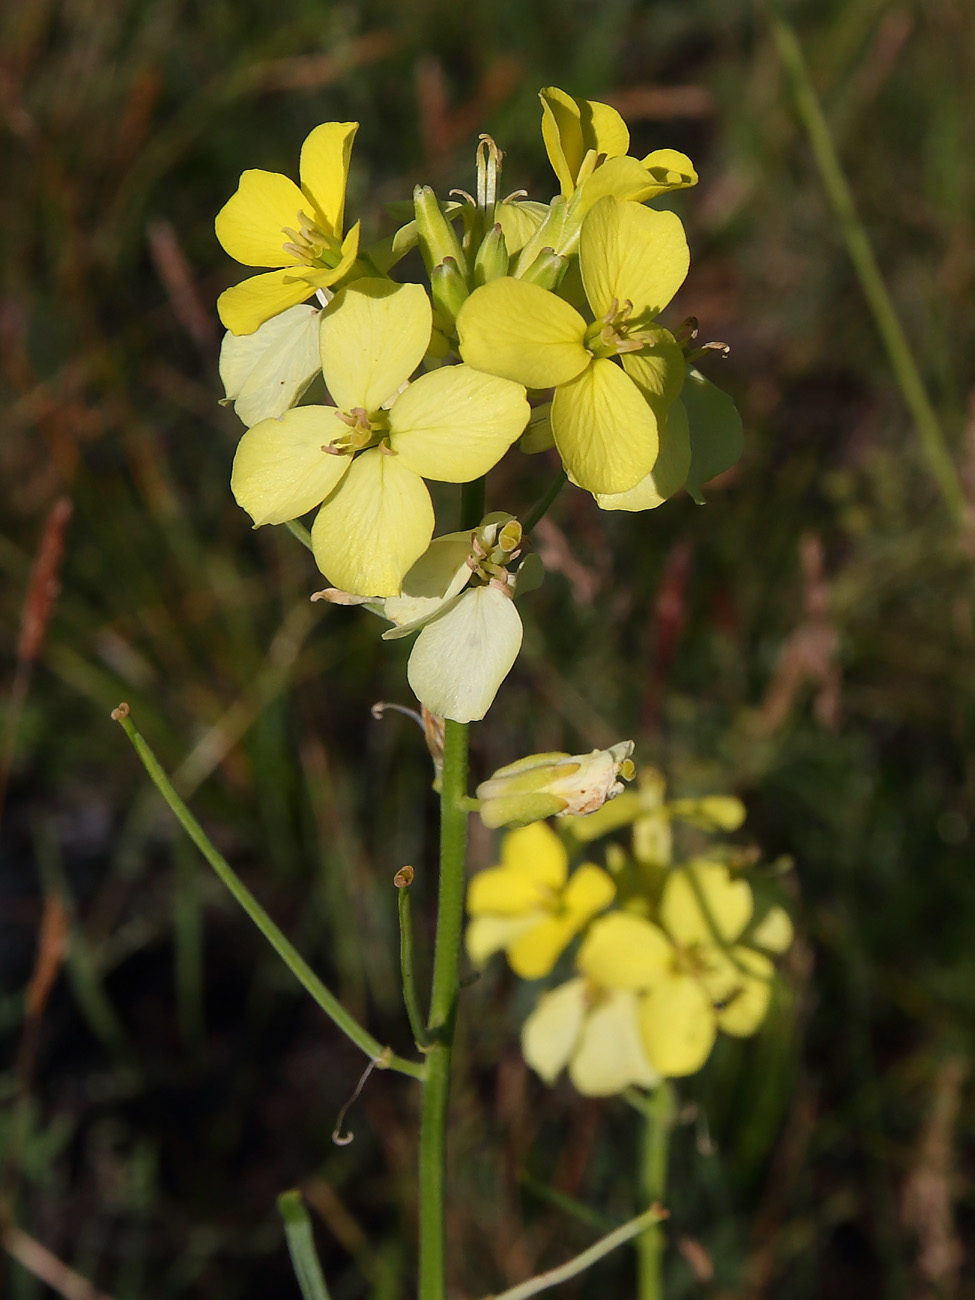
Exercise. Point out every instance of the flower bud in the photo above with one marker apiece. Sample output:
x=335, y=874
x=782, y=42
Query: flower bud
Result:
x=491, y=259
x=437, y=237
x=448, y=288
x=547, y=270
x=552, y=785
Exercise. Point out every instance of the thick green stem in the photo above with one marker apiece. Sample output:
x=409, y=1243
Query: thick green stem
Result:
x=325, y=998
x=858, y=246
x=658, y=1121
x=443, y=1006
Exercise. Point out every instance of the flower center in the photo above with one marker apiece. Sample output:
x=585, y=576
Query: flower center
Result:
x=616, y=332
x=311, y=245
x=365, y=431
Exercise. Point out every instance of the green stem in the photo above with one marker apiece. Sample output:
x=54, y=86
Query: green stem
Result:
x=541, y=506
x=301, y=1247
x=420, y=1035
x=443, y=1006
x=299, y=531
x=305, y=976
x=930, y=433
x=612, y=1241
x=658, y=1121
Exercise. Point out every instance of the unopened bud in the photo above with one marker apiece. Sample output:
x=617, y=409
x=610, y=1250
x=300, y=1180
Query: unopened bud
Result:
x=554, y=785
x=436, y=236
x=448, y=288
x=547, y=270
x=491, y=259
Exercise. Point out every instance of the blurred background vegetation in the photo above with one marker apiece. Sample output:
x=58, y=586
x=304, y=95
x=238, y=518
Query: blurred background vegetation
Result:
x=805, y=640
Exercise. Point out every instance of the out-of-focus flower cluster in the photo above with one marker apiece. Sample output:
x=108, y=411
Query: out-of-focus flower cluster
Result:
x=668, y=950
x=540, y=324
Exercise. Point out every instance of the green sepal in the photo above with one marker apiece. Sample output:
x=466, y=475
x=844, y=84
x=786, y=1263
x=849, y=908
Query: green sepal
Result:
x=448, y=288
x=547, y=270
x=491, y=259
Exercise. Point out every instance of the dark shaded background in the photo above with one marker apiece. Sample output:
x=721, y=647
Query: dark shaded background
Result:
x=804, y=640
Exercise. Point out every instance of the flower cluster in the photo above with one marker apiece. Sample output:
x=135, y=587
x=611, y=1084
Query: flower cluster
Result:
x=540, y=323
x=671, y=952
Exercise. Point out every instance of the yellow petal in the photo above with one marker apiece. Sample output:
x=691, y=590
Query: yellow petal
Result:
x=623, y=951
x=519, y=220
x=376, y=524
x=462, y=656
x=669, y=170
x=265, y=373
x=668, y=473
x=774, y=931
x=628, y=252
x=251, y=224
x=244, y=307
x=550, y=1033
x=280, y=470
x=571, y=127
x=677, y=1025
x=610, y=1055
x=324, y=170
x=487, y=935
x=506, y=891
x=454, y=424
x=747, y=1006
x=538, y=853
x=373, y=336
x=589, y=890
x=702, y=901
x=522, y=332
x=605, y=431
x=657, y=370
x=535, y=952
x=624, y=178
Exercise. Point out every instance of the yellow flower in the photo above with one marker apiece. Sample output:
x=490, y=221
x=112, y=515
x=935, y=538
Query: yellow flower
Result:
x=667, y=988
x=529, y=905
x=270, y=221
x=364, y=459
x=587, y=144
x=604, y=419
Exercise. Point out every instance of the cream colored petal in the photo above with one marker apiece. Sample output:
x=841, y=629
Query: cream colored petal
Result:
x=628, y=252
x=251, y=224
x=677, y=1025
x=538, y=853
x=373, y=527
x=244, y=307
x=463, y=655
x=535, y=952
x=454, y=424
x=373, y=336
x=589, y=890
x=747, y=1007
x=550, y=1033
x=605, y=431
x=610, y=1055
x=325, y=171
x=281, y=470
x=624, y=951
x=522, y=332
x=266, y=372
x=486, y=935
x=774, y=931
x=704, y=900
x=436, y=579
x=668, y=473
